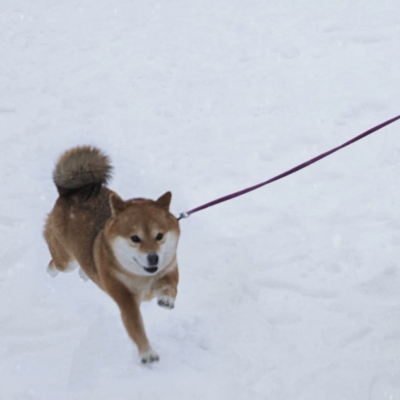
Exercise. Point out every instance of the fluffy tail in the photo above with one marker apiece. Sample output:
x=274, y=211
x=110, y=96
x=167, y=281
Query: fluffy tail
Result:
x=82, y=169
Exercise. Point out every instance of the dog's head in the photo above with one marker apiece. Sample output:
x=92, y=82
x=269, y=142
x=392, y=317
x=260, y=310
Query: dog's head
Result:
x=143, y=234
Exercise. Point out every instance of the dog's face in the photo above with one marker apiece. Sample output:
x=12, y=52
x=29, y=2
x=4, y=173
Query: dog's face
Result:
x=143, y=234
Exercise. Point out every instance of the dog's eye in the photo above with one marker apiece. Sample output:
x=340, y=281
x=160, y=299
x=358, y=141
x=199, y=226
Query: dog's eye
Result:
x=135, y=239
x=159, y=236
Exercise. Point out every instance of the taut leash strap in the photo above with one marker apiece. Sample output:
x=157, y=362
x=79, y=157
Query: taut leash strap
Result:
x=289, y=172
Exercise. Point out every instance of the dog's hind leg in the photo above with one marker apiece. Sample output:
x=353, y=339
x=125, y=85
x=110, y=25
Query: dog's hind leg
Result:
x=52, y=269
x=55, y=267
x=61, y=259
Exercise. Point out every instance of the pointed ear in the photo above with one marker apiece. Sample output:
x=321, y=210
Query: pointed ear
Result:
x=117, y=204
x=164, y=201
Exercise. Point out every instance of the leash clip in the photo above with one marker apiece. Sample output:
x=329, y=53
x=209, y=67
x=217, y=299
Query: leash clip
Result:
x=183, y=215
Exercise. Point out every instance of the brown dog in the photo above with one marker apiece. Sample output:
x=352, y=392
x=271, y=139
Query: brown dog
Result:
x=128, y=248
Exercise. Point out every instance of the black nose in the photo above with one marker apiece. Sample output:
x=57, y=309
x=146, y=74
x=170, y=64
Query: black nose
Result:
x=152, y=258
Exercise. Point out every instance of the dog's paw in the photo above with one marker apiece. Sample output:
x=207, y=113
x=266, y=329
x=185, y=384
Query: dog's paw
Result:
x=149, y=356
x=83, y=275
x=52, y=270
x=166, y=302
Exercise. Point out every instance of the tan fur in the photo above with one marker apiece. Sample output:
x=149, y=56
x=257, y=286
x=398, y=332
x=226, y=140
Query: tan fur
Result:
x=95, y=230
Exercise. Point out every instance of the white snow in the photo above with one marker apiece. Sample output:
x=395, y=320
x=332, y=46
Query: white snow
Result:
x=290, y=292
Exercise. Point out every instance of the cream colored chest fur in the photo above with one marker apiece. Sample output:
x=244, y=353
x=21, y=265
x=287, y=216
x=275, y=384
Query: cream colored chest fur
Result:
x=141, y=286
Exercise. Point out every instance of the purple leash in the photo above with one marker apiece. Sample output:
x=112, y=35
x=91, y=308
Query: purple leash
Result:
x=289, y=172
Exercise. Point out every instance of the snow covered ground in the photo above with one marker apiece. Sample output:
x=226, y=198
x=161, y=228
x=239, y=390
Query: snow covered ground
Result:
x=289, y=293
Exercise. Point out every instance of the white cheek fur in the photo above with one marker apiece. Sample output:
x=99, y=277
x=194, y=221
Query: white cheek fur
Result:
x=168, y=249
x=126, y=255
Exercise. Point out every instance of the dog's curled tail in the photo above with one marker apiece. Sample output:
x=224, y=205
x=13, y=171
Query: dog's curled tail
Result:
x=83, y=170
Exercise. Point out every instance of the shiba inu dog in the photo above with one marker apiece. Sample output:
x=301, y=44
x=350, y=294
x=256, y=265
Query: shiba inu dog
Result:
x=128, y=248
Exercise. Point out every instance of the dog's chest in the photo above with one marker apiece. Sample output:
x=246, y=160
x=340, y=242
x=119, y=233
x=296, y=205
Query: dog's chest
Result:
x=142, y=287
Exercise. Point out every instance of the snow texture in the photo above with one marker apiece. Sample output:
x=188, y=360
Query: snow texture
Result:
x=291, y=292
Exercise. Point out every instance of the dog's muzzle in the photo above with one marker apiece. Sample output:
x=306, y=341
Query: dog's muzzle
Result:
x=152, y=259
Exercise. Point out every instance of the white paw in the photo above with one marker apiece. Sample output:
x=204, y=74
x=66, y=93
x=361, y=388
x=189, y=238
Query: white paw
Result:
x=149, y=356
x=52, y=270
x=83, y=275
x=166, y=302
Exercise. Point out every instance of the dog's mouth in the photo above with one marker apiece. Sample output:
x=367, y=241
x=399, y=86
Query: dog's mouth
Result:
x=151, y=270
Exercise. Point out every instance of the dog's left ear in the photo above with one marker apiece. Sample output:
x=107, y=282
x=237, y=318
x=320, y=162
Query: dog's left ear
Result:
x=117, y=205
x=164, y=201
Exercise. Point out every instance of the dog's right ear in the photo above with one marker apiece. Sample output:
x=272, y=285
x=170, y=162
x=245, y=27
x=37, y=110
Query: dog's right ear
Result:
x=164, y=201
x=117, y=204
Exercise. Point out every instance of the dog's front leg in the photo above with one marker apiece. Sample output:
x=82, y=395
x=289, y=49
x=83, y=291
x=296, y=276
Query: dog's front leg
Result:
x=134, y=325
x=166, y=289
x=130, y=313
